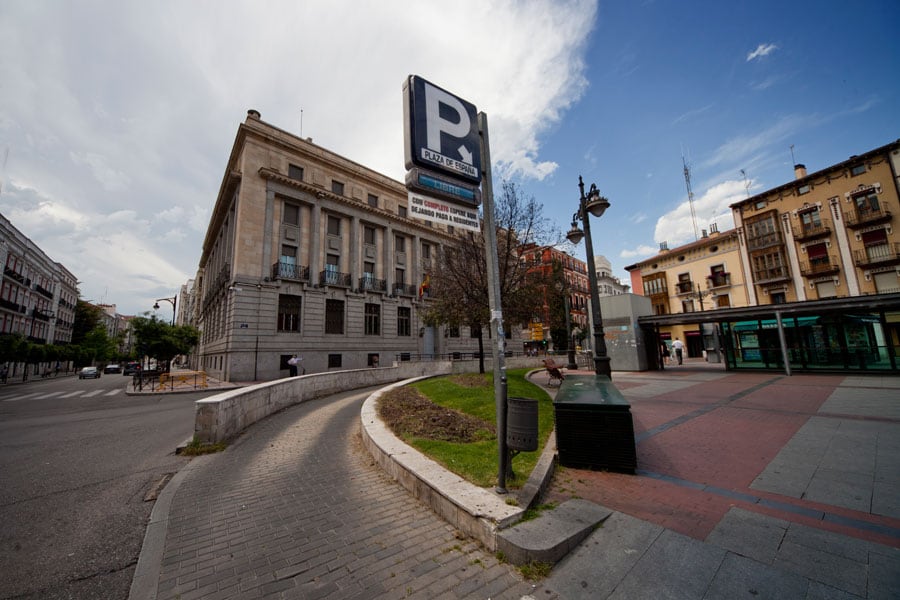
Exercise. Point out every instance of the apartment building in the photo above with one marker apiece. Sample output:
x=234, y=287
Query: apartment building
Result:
x=37, y=294
x=310, y=253
x=827, y=234
x=543, y=259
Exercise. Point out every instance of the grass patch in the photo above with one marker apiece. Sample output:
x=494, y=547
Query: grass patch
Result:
x=452, y=419
x=535, y=512
x=534, y=571
x=197, y=448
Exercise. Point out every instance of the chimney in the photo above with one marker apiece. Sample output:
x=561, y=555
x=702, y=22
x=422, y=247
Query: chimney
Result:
x=704, y=234
x=664, y=246
x=253, y=114
x=713, y=229
x=799, y=171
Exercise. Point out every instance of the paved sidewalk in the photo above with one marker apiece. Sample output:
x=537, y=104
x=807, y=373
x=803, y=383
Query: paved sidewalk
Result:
x=749, y=486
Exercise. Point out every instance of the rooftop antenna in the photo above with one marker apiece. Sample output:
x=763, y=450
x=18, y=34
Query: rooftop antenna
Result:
x=687, y=182
x=746, y=182
x=301, y=121
x=793, y=161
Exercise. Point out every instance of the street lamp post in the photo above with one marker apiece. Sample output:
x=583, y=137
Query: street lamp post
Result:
x=173, y=300
x=592, y=204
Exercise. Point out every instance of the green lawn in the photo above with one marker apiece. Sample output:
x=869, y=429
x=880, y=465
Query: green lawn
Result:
x=478, y=462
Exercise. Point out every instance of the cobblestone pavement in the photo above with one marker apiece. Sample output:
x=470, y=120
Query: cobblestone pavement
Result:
x=295, y=508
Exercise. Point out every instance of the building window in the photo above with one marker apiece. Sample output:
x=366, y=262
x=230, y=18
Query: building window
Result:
x=401, y=211
x=335, y=361
x=295, y=172
x=778, y=297
x=426, y=252
x=687, y=306
x=337, y=187
x=289, y=312
x=453, y=331
x=334, y=225
x=399, y=276
x=373, y=200
x=866, y=203
x=291, y=215
x=803, y=189
x=373, y=319
x=858, y=170
x=332, y=268
x=334, y=317
x=369, y=235
x=404, y=320
x=400, y=243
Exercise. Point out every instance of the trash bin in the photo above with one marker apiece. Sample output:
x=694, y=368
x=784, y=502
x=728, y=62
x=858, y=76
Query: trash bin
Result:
x=522, y=424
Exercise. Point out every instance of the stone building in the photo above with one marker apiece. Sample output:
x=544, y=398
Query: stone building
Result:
x=310, y=253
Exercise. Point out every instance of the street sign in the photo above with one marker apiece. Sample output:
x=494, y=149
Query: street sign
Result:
x=434, y=184
x=441, y=131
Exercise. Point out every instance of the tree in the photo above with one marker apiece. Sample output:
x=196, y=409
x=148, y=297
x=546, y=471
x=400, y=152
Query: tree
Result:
x=458, y=285
x=162, y=341
x=87, y=318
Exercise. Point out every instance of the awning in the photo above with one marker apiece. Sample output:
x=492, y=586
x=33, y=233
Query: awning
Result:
x=773, y=324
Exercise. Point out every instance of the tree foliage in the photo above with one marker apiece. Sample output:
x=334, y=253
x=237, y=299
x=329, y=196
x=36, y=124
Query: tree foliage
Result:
x=162, y=341
x=459, y=282
x=87, y=318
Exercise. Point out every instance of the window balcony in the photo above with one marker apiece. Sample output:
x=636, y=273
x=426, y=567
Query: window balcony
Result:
x=404, y=289
x=290, y=271
x=334, y=279
x=684, y=287
x=881, y=255
x=870, y=216
x=812, y=231
x=9, y=305
x=718, y=280
x=827, y=265
x=370, y=284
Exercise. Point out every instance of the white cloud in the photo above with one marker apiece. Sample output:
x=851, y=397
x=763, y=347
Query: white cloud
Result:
x=761, y=51
x=677, y=226
x=641, y=251
x=124, y=132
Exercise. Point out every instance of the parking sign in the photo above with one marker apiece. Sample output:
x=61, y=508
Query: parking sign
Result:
x=442, y=131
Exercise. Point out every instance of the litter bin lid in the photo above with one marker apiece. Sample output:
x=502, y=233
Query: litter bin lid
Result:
x=590, y=390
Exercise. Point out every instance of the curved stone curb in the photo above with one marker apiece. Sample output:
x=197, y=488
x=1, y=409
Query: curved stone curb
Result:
x=478, y=512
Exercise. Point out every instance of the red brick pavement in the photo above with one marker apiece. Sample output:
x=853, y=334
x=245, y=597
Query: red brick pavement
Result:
x=734, y=435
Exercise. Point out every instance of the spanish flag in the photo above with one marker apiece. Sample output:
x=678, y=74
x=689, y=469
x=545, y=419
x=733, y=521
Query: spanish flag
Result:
x=426, y=284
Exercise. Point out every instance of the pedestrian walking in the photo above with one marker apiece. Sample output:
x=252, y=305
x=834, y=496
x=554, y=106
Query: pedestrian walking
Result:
x=679, y=350
x=663, y=353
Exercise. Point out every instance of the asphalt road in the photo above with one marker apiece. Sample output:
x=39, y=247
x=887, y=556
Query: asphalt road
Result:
x=77, y=458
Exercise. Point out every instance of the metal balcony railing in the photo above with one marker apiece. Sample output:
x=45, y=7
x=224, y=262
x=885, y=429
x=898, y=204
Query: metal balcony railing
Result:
x=869, y=216
x=771, y=274
x=826, y=265
x=882, y=254
x=335, y=279
x=370, y=284
x=286, y=270
x=404, y=289
x=718, y=280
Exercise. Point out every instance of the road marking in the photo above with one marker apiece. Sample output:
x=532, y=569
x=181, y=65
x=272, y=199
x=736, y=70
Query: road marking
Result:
x=45, y=396
x=22, y=397
x=92, y=394
x=112, y=392
x=70, y=394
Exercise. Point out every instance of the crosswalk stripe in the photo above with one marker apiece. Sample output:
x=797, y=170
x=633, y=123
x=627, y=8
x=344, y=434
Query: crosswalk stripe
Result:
x=112, y=392
x=45, y=396
x=22, y=397
x=92, y=394
x=70, y=394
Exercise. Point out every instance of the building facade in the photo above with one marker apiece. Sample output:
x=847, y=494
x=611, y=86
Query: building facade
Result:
x=703, y=275
x=37, y=294
x=607, y=284
x=310, y=253
x=543, y=260
x=808, y=279
x=828, y=234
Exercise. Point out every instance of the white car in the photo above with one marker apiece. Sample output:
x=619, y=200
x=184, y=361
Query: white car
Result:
x=92, y=372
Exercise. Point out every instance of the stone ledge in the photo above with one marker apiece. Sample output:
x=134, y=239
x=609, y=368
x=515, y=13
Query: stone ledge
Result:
x=552, y=535
x=476, y=511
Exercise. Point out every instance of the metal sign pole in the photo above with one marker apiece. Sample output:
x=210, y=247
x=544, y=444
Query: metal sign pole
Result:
x=498, y=351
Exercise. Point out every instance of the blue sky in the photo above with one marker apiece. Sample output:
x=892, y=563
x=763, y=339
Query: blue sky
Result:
x=117, y=117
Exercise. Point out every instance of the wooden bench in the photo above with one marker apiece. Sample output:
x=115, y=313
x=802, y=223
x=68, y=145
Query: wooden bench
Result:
x=555, y=371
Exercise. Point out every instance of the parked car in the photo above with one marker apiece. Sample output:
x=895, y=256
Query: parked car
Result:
x=112, y=369
x=92, y=372
x=131, y=368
